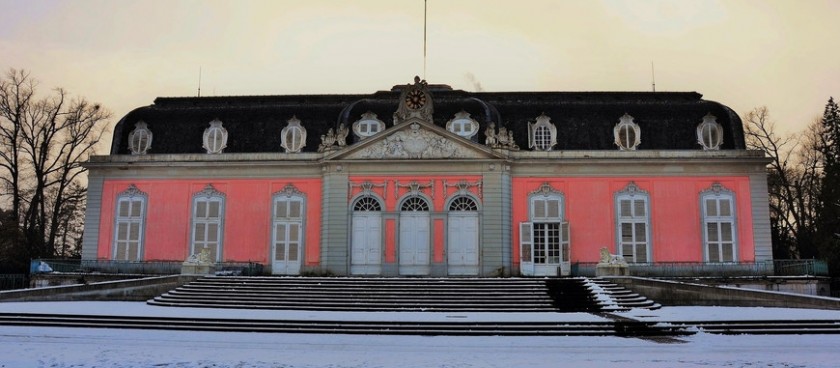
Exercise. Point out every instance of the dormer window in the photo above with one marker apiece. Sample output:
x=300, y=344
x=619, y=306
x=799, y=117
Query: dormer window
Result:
x=463, y=125
x=140, y=139
x=293, y=136
x=542, y=134
x=215, y=137
x=710, y=133
x=368, y=125
x=627, y=134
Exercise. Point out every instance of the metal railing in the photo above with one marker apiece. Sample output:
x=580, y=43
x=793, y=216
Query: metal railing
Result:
x=786, y=267
x=143, y=267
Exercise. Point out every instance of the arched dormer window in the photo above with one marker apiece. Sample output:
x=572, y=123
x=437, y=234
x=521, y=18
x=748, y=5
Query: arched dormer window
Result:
x=627, y=134
x=140, y=139
x=293, y=136
x=710, y=133
x=463, y=125
x=215, y=137
x=368, y=125
x=542, y=134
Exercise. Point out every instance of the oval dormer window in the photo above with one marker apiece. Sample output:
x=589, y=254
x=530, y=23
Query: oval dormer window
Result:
x=368, y=125
x=627, y=134
x=463, y=125
x=710, y=133
x=140, y=139
x=542, y=134
x=215, y=137
x=293, y=136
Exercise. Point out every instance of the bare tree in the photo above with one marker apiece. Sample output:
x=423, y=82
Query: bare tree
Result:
x=793, y=182
x=45, y=142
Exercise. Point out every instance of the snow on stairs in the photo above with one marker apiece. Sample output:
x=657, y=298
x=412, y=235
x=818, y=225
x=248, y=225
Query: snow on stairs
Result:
x=384, y=294
x=613, y=298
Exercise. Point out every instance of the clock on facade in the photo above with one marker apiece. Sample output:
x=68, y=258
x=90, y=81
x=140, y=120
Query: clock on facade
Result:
x=415, y=99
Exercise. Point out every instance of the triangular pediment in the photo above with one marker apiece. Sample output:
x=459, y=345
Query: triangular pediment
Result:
x=414, y=139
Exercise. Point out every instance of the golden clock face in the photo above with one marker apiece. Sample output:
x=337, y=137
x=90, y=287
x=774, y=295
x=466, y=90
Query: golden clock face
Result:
x=415, y=99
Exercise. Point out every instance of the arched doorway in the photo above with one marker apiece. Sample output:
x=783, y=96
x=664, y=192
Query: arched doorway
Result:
x=462, y=237
x=414, y=236
x=366, y=240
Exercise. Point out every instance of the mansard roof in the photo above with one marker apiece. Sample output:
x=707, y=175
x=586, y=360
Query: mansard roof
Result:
x=584, y=120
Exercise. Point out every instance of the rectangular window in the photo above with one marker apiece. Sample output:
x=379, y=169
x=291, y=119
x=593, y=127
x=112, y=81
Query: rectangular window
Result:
x=128, y=227
x=207, y=227
x=719, y=224
x=633, y=227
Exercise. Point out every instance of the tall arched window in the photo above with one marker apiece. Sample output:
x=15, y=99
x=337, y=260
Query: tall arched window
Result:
x=208, y=211
x=129, y=225
x=720, y=242
x=632, y=212
x=366, y=240
x=462, y=245
x=415, y=249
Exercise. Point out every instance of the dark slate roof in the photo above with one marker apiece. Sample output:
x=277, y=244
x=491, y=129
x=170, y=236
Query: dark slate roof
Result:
x=584, y=120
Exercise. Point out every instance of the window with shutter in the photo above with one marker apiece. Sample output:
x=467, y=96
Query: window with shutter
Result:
x=129, y=223
x=719, y=238
x=633, y=224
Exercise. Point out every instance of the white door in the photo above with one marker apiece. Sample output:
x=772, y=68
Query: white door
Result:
x=462, y=243
x=287, y=237
x=414, y=243
x=287, y=242
x=366, y=244
x=544, y=249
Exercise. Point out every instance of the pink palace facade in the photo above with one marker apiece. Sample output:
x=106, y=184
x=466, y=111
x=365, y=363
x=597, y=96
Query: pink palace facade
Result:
x=424, y=180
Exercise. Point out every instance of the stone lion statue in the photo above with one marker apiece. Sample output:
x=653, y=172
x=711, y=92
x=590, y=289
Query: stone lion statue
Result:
x=608, y=258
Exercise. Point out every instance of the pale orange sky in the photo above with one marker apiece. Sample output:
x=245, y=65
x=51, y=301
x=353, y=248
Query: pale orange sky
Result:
x=784, y=54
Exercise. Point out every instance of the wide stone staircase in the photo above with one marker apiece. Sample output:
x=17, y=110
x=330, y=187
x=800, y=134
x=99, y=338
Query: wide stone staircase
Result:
x=391, y=294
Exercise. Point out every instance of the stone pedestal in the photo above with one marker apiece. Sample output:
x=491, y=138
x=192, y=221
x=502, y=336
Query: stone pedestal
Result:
x=188, y=268
x=615, y=269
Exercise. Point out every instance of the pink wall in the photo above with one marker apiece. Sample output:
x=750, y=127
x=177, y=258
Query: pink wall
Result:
x=247, y=228
x=675, y=214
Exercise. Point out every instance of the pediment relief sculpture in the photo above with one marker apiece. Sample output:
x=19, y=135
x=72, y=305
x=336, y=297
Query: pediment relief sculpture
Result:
x=415, y=143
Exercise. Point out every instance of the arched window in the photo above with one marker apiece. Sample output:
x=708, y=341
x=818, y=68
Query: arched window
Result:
x=719, y=232
x=215, y=137
x=367, y=203
x=368, y=125
x=140, y=139
x=293, y=136
x=129, y=225
x=542, y=135
x=463, y=125
x=627, y=134
x=710, y=133
x=463, y=203
x=632, y=212
x=415, y=203
x=208, y=213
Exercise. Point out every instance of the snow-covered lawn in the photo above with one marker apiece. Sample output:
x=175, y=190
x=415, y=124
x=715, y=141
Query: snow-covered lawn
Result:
x=88, y=347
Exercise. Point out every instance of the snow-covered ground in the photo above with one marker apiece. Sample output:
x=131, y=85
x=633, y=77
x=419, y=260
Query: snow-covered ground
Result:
x=88, y=347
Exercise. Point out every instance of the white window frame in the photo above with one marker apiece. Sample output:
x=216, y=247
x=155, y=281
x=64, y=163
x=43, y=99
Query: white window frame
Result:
x=542, y=134
x=626, y=125
x=718, y=221
x=293, y=136
x=287, y=197
x=207, y=196
x=215, y=137
x=463, y=125
x=546, y=215
x=140, y=139
x=368, y=126
x=122, y=241
x=706, y=133
x=633, y=195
